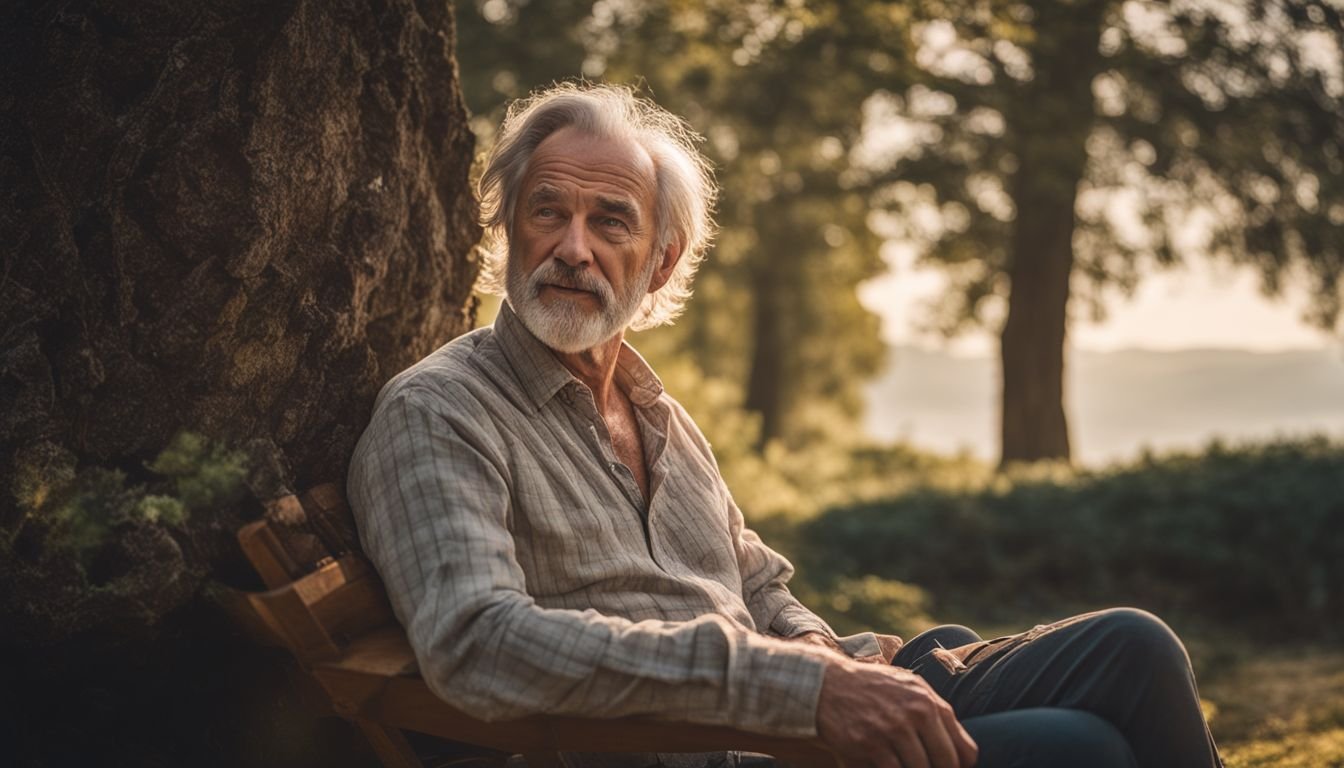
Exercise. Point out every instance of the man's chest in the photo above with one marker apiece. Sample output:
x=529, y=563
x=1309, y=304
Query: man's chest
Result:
x=630, y=447
x=584, y=541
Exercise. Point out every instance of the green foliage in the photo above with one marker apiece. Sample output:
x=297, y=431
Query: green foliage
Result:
x=41, y=472
x=759, y=482
x=1252, y=535
x=204, y=475
x=77, y=508
x=97, y=500
x=834, y=464
x=162, y=509
x=874, y=604
x=776, y=90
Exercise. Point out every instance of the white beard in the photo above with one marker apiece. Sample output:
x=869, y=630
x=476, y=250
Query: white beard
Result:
x=561, y=324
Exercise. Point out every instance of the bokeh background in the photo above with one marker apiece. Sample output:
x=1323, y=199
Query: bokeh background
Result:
x=1017, y=309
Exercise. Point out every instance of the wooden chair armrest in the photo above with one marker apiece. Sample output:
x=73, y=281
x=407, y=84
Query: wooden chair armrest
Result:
x=316, y=614
x=376, y=678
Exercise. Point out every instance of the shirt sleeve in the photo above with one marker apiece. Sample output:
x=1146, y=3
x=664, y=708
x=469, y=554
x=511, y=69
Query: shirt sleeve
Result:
x=765, y=576
x=432, y=500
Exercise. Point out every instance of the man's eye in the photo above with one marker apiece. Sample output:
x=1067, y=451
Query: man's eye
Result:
x=545, y=213
x=612, y=221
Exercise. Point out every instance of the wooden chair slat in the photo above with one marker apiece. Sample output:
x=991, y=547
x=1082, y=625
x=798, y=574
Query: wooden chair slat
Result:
x=299, y=535
x=384, y=652
x=329, y=578
x=354, y=608
x=331, y=518
x=303, y=633
x=267, y=555
x=408, y=703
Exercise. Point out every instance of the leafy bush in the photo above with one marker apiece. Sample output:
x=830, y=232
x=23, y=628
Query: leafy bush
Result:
x=76, y=508
x=205, y=475
x=1252, y=535
x=162, y=509
x=783, y=484
x=874, y=604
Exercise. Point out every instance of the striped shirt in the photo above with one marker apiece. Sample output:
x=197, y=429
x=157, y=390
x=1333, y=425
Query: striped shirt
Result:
x=533, y=577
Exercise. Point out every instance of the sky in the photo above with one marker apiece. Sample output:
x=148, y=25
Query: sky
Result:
x=1204, y=305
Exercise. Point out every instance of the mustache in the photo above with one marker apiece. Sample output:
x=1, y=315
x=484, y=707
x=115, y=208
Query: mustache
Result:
x=559, y=273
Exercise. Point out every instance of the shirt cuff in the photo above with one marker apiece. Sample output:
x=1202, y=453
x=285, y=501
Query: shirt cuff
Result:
x=793, y=620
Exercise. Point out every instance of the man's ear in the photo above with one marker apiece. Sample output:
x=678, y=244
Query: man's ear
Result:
x=663, y=272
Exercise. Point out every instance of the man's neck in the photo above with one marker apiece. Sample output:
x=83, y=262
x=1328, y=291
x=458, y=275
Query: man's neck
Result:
x=595, y=367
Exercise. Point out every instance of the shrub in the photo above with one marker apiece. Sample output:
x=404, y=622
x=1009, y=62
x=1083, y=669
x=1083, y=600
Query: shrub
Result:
x=1253, y=534
x=205, y=475
x=874, y=604
x=77, y=508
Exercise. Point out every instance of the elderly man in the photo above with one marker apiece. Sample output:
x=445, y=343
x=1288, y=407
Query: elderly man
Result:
x=556, y=537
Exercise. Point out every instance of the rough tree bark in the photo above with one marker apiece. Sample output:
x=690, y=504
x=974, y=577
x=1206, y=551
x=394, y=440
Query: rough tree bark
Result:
x=1054, y=114
x=237, y=218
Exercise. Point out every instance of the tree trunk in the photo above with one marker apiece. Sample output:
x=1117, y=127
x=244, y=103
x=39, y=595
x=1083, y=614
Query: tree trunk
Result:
x=235, y=218
x=1032, y=343
x=766, y=376
x=1052, y=119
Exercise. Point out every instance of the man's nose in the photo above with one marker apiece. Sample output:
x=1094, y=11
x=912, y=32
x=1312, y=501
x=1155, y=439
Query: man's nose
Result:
x=573, y=248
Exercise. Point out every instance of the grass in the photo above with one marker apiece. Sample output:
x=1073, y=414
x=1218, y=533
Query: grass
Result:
x=1283, y=708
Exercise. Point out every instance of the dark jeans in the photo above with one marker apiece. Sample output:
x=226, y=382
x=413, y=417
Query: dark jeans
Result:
x=1111, y=688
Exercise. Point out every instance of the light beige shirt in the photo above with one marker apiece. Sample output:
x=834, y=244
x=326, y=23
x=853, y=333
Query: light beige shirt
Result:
x=533, y=577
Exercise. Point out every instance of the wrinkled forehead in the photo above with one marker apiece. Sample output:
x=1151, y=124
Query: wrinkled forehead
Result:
x=575, y=160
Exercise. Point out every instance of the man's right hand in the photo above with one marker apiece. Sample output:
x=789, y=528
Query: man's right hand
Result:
x=890, y=718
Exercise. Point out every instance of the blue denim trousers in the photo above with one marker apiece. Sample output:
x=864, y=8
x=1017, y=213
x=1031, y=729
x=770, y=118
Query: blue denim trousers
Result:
x=1111, y=688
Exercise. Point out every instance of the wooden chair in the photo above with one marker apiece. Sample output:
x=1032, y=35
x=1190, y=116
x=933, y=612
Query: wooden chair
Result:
x=326, y=605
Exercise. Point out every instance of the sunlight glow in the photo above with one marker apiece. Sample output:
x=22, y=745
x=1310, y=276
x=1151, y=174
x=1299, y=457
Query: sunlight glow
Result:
x=1203, y=305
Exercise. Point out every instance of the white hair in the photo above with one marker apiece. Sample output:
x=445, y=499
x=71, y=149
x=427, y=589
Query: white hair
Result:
x=685, y=187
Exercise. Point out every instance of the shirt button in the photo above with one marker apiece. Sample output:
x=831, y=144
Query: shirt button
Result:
x=615, y=466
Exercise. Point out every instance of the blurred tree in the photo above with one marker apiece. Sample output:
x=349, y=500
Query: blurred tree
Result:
x=776, y=88
x=1062, y=146
x=507, y=48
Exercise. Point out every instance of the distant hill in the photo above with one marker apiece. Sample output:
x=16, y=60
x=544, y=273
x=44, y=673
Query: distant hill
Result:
x=1118, y=402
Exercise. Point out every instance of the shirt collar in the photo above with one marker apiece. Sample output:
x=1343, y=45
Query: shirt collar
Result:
x=542, y=374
